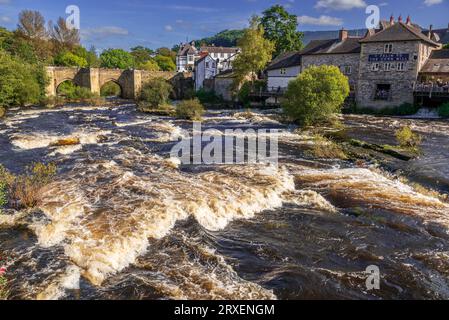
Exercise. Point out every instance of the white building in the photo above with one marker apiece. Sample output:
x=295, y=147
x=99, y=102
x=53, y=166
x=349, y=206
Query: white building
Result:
x=187, y=55
x=223, y=55
x=205, y=68
x=282, y=70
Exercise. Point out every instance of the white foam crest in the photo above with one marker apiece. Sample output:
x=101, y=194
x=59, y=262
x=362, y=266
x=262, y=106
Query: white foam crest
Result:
x=113, y=212
x=311, y=199
x=69, y=280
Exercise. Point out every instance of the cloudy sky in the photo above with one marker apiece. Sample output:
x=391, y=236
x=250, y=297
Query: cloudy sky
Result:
x=156, y=23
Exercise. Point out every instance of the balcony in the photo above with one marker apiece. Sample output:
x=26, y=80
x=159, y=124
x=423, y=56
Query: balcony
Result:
x=431, y=90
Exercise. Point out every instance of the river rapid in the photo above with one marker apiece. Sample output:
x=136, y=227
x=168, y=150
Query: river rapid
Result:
x=124, y=221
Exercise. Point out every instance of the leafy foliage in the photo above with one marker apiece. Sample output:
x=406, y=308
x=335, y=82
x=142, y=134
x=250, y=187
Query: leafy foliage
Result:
x=281, y=28
x=207, y=96
x=150, y=65
x=443, y=110
x=20, y=83
x=68, y=59
x=316, y=95
x=247, y=88
x=165, y=63
x=407, y=138
x=110, y=89
x=156, y=92
x=117, y=58
x=190, y=110
x=256, y=52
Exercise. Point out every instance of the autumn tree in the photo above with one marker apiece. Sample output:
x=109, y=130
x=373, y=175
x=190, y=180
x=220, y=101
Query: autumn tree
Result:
x=64, y=37
x=32, y=24
x=256, y=52
x=281, y=28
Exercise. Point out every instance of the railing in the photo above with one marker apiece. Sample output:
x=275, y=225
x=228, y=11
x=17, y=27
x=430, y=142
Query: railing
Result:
x=431, y=89
x=269, y=92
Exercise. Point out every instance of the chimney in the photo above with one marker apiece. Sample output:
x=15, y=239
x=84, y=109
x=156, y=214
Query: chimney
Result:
x=409, y=21
x=430, y=31
x=391, y=20
x=343, y=34
x=400, y=18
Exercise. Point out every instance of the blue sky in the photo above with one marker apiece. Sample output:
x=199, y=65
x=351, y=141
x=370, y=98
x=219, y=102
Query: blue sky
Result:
x=156, y=23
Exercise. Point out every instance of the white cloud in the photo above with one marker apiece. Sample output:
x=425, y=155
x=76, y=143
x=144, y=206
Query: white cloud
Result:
x=5, y=19
x=430, y=3
x=103, y=32
x=340, y=4
x=168, y=28
x=321, y=21
x=192, y=8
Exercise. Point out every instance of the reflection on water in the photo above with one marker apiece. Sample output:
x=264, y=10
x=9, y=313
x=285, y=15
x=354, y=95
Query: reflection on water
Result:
x=122, y=221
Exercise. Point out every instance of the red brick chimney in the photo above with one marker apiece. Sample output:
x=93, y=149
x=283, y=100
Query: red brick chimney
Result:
x=400, y=18
x=409, y=20
x=343, y=34
x=391, y=20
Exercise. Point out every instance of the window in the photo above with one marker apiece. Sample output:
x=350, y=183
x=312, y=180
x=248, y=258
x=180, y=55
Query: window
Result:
x=347, y=70
x=401, y=66
x=387, y=66
x=190, y=58
x=388, y=48
x=383, y=92
x=222, y=55
x=283, y=71
x=375, y=67
x=207, y=65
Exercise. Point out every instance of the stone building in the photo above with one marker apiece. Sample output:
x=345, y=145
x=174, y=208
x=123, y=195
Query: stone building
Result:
x=390, y=61
x=343, y=53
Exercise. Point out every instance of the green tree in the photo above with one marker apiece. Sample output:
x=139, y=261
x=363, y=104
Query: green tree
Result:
x=446, y=46
x=20, y=83
x=165, y=63
x=225, y=38
x=316, y=95
x=117, y=58
x=256, y=52
x=141, y=54
x=281, y=28
x=150, y=65
x=166, y=52
x=68, y=59
x=89, y=55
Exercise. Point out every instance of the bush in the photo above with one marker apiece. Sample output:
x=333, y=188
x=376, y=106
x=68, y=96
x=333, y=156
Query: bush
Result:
x=246, y=89
x=3, y=194
x=190, y=110
x=2, y=112
x=73, y=93
x=316, y=95
x=25, y=191
x=156, y=92
x=443, y=110
x=407, y=138
x=206, y=96
x=165, y=63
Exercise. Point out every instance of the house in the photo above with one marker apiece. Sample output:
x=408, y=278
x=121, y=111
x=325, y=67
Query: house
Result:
x=282, y=70
x=223, y=55
x=205, y=68
x=390, y=63
x=343, y=52
x=186, y=57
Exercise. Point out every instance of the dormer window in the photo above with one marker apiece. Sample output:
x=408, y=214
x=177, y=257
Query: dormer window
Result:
x=388, y=48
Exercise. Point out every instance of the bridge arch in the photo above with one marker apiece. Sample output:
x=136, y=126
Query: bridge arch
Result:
x=107, y=91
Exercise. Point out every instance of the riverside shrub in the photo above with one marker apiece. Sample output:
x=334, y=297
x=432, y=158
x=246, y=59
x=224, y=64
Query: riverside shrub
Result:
x=316, y=95
x=408, y=139
x=190, y=110
x=156, y=92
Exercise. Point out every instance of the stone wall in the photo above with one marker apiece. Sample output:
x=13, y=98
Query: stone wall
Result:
x=338, y=60
x=401, y=82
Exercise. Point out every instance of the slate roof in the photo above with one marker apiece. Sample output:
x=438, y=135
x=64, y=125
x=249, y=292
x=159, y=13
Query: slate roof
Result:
x=333, y=46
x=285, y=60
x=187, y=49
x=399, y=32
x=438, y=62
x=443, y=34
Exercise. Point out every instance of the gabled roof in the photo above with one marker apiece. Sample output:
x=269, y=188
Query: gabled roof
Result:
x=285, y=60
x=443, y=34
x=438, y=62
x=187, y=49
x=203, y=57
x=399, y=32
x=333, y=46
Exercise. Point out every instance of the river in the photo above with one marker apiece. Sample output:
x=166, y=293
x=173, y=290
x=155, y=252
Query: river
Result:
x=123, y=221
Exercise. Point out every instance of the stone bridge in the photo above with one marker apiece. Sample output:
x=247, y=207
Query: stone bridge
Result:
x=130, y=81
